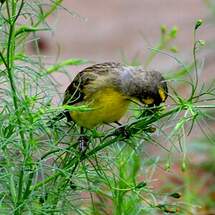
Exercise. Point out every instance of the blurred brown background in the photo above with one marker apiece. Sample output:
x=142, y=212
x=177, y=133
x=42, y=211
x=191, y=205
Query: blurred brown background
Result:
x=106, y=30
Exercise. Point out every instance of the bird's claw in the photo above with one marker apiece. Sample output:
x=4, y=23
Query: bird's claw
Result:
x=83, y=144
x=122, y=131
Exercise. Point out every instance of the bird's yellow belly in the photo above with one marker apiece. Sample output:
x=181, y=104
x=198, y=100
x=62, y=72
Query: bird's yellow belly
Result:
x=107, y=105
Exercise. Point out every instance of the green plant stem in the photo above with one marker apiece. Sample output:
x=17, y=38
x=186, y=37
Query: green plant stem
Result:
x=153, y=54
x=10, y=69
x=3, y=59
x=102, y=146
x=64, y=63
x=195, y=66
x=53, y=8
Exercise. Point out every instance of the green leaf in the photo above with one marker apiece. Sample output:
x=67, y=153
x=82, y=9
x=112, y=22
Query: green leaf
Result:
x=68, y=62
x=81, y=108
x=179, y=73
x=27, y=29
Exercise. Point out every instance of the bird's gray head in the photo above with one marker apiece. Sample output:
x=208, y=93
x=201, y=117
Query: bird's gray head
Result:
x=149, y=87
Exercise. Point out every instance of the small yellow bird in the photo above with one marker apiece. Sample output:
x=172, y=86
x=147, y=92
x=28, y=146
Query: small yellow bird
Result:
x=107, y=89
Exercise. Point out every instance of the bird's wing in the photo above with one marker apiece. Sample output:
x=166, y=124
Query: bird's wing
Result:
x=75, y=92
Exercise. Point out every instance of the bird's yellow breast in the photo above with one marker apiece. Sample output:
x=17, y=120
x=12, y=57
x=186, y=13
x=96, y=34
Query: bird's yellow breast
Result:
x=108, y=105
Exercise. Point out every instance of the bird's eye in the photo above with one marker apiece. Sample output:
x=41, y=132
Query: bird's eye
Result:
x=162, y=94
x=148, y=101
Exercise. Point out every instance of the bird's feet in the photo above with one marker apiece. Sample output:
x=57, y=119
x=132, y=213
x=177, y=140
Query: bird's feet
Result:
x=122, y=131
x=83, y=144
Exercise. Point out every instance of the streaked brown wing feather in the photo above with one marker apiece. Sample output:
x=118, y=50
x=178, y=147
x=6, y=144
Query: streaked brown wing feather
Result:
x=75, y=91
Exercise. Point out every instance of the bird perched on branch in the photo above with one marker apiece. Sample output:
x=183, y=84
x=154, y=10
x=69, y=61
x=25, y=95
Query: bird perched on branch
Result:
x=107, y=89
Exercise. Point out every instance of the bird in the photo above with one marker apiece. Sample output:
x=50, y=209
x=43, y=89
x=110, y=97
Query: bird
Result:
x=108, y=89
